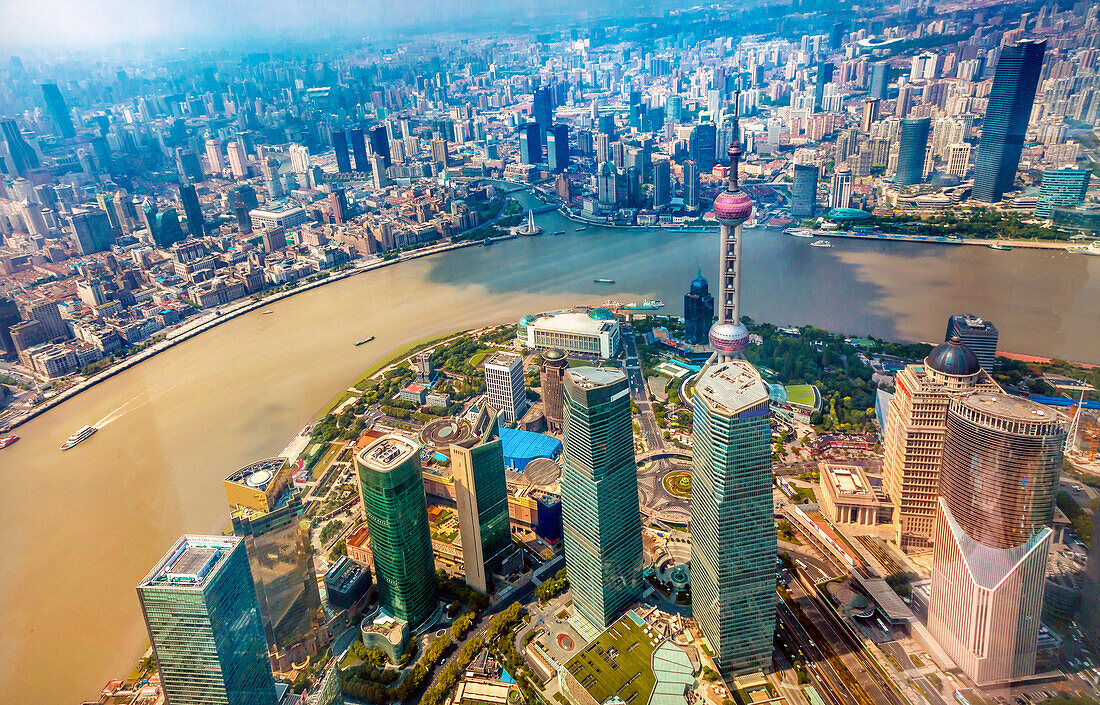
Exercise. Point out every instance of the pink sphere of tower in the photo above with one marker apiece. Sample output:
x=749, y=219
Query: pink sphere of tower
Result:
x=732, y=207
x=729, y=337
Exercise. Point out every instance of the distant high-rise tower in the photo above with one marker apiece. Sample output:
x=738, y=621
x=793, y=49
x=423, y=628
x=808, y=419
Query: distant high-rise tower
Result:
x=1006, y=116
x=602, y=530
x=732, y=207
x=55, y=104
x=204, y=624
x=1001, y=460
x=914, y=437
x=391, y=488
x=542, y=110
x=880, y=80
x=380, y=143
x=911, y=152
x=870, y=113
x=733, y=542
x=359, y=149
x=22, y=156
x=804, y=191
x=481, y=496
x=504, y=385
x=530, y=148
x=265, y=509
x=824, y=75
x=840, y=195
x=9, y=316
x=557, y=147
x=215, y=159
x=189, y=198
x=698, y=311
x=552, y=387
x=977, y=334
x=340, y=148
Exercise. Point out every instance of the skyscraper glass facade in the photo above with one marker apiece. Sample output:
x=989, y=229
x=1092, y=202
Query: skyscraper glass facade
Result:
x=392, y=489
x=1006, y=117
x=733, y=543
x=481, y=495
x=602, y=531
x=205, y=626
x=914, y=143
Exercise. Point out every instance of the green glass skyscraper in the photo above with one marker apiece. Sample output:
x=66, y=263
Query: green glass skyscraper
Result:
x=911, y=151
x=1061, y=187
x=1006, y=117
x=392, y=490
x=733, y=543
x=204, y=625
x=481, y=493
x=601, y=526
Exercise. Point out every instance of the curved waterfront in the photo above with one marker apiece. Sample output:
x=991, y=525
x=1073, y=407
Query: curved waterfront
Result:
x=79, y=529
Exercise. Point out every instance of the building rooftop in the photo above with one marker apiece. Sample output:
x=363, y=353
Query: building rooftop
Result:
x=592, y=377
x=733, y=386
x=387, y=452
x=1010, y=408
x=258, y=475
x=573, y=322
x=190, y=562
x=503, y=359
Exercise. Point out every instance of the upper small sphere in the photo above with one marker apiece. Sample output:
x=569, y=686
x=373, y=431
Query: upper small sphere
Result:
x=953, y=358
x=729, y=337
x=601, y=314
x=732, y=207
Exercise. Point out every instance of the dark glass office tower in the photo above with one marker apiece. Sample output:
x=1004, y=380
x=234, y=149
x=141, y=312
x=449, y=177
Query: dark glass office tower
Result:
x=530, y=148
x=914, y=143
x=704, y=140
x=824, y=75
x=557, y=147
x=380, y=143
x=340, y=147
x=602, y=530
x=698, y=311
x=9, y=316
x=196, y=223
x=542, y=110
x=55, y=104
x=1006, y=117
x=481, y=496
x=23, y=157
x=359, y=150
x=880, y=80
x=204, y=624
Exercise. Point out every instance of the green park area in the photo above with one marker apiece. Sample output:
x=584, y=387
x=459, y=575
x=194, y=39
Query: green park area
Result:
x=618, y=663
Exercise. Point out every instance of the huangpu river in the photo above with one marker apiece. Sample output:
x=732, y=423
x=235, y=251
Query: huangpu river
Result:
x=79, y=529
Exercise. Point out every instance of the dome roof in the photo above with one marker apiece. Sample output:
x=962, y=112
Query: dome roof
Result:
x=601, y=314
x=554, y=354
x=526, y=320
x=953, y=358
x=732, y=207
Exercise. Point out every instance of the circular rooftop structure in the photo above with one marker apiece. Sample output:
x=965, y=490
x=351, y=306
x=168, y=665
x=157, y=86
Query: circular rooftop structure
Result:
x=541, y=472
x=553, y=354
x=732, y=207
x=258, y=478
x=601, y=314
x=526, y=321
x=444, y=432
x=953, y=358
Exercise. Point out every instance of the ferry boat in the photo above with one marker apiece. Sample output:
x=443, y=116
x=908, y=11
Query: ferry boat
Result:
x=580, y=229
x=603, y=281
x=798, y=233
x=558, y=232
x=268, y=312
x=7, y=441
x=79, y=437
x=999, y=246
x=612, y=304
x=821, y=243
x=364, y=341
x=1090, y=249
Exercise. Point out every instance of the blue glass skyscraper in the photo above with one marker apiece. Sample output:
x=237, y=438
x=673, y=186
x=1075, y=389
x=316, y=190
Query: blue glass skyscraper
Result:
x=1006, y=117
x=914, y=144
x=204, y=624
x=602, y=529
x=733, y=544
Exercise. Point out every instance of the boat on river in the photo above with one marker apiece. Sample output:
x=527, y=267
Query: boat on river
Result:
x=821, y=243
x=999, y=246
x=7, y=441
x=364, y=341
x=80, y=436
x=603, y=281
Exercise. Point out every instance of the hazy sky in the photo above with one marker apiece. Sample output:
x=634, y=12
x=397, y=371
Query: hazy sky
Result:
x=81, y=24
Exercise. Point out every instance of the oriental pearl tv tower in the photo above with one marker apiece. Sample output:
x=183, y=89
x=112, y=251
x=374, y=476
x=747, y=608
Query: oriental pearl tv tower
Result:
x=732, y=207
